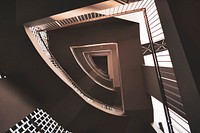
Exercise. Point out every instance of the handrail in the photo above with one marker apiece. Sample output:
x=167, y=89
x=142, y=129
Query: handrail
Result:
x=147, y=6
x=53, y=64
x=165, y=105
x=51, y=61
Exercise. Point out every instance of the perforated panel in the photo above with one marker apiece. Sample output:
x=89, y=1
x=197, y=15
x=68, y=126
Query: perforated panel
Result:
x=38, y=121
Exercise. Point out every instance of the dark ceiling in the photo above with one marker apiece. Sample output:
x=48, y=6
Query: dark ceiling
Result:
x=25, y=68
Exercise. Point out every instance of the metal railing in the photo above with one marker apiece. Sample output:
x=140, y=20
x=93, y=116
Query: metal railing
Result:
x=67, y=79
x=156, y=44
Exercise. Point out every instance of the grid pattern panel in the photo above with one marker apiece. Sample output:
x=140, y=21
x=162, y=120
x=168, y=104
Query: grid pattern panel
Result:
x=36, y=122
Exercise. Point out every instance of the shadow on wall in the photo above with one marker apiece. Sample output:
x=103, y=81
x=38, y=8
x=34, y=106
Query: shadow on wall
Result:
x=14, y=105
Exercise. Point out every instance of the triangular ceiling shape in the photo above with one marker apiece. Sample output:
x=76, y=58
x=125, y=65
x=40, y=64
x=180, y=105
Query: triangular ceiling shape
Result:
x=84, y=54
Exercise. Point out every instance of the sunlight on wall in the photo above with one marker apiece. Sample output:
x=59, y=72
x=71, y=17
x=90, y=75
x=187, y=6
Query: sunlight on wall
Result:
x=162, y=57
x=159, y=114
